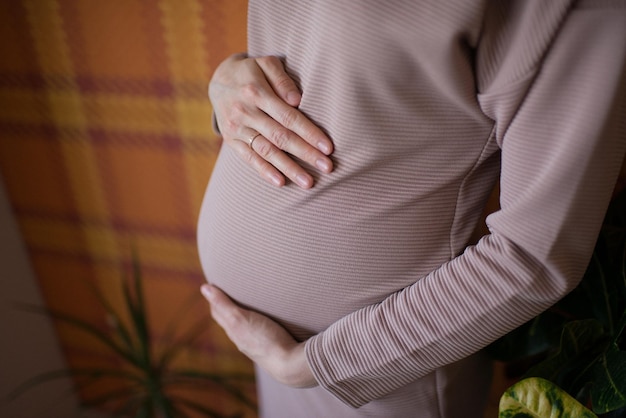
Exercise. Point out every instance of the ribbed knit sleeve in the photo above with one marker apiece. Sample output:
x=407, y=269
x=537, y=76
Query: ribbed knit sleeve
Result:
x=562, y=132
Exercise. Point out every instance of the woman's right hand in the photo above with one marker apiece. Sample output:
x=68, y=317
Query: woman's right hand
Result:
x=253, y=96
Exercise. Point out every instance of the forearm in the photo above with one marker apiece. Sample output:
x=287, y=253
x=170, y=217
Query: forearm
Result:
x=561, y=154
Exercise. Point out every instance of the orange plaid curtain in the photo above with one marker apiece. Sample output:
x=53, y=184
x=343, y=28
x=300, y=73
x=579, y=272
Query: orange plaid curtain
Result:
x=106, y=142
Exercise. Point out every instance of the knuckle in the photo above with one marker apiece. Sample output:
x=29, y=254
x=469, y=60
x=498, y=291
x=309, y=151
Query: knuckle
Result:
x=265, y=150
x=263, y=60
x=229, y=125
x=284, y=82
x=234, y=320
x=289, y=117
x=233, y=117
x=269, y=60
x=238, y=110
x=251, y=91
x=280, y=138
x=249, y=159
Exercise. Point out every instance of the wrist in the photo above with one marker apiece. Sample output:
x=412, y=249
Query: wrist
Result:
x=296, y=371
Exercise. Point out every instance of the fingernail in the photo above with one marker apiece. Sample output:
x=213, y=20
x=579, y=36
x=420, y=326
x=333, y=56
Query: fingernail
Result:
x=293, y=98
x=324, y=147
x=207, y=291
x=276, y=180
x=303, y=180
x=323, y=165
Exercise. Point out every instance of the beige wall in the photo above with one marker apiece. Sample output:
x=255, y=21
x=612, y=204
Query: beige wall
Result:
x=28, y=344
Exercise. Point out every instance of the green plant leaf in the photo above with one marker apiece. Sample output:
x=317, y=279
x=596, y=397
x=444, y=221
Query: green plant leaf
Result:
x=601, y=294
x=182, y=311
x=608, y=391
x=121, y=330
x=536, y=397
x=140, y=304
x=189, y=337
x=136, y=308
x=582, y=342
x=610, y=253
x=620, y=328
x=598, y=288
x=186, y=340
x=84, y=326
x=158, y=397
x=533, y=338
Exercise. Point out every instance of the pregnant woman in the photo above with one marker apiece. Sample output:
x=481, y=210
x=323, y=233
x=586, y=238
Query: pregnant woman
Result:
x=362, y=140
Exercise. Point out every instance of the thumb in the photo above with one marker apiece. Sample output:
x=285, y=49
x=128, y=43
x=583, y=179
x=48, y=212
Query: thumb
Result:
x=208, y=291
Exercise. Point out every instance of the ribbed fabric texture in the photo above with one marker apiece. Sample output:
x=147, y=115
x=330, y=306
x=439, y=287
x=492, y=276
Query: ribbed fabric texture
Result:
x=428, y=104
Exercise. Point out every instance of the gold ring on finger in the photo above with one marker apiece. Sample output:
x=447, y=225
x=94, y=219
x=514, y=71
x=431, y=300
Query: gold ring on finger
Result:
x=252, y=138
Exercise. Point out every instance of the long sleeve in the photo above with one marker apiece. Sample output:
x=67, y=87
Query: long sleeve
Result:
x=561, y=144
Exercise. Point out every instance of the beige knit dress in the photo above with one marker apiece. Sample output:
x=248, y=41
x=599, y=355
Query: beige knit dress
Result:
x=429, y=103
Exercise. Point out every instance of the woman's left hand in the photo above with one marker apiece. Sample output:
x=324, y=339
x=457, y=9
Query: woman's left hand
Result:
x=264, y=341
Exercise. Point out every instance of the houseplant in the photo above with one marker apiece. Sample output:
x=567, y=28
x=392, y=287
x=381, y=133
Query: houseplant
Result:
x=580, y=343
x=146, y=381
x=536, y=397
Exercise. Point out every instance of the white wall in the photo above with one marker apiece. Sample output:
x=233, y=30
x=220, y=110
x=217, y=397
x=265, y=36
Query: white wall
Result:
x=28, y=345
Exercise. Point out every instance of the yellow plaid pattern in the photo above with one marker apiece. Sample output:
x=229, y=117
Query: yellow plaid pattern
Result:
x=106, y=142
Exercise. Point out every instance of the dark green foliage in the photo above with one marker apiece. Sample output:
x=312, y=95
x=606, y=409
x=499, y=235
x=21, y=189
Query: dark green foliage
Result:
x=589, y=359
x=514, y=414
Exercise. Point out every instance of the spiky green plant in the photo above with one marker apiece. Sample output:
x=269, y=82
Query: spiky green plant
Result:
x=147, y=382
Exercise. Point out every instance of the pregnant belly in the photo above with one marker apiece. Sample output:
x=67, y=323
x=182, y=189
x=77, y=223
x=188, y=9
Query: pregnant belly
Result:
x=309, y=257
